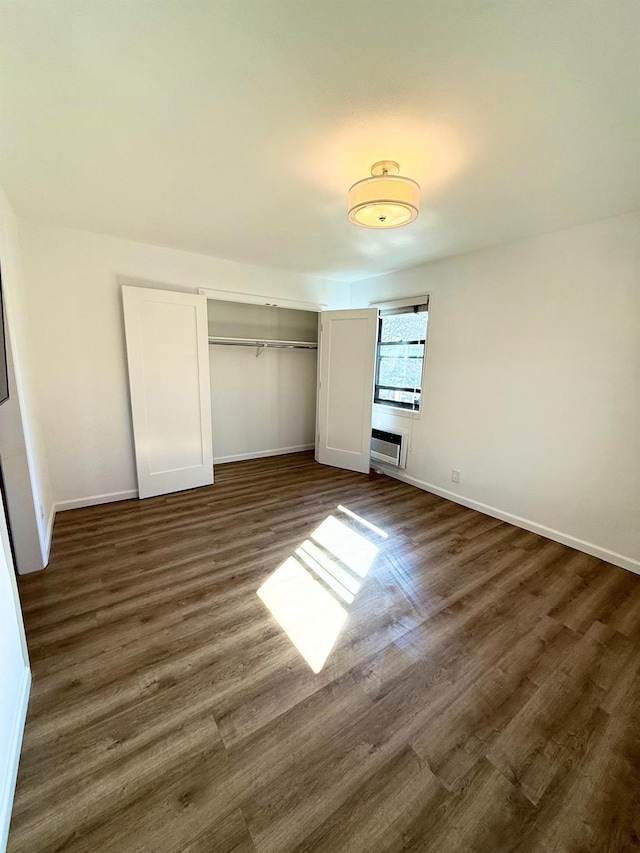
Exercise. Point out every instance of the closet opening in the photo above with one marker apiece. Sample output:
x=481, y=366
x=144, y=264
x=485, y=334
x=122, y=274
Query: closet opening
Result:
x=263, y=375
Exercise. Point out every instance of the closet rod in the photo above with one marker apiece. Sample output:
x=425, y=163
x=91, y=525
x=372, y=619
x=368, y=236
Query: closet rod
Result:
x=262, y=343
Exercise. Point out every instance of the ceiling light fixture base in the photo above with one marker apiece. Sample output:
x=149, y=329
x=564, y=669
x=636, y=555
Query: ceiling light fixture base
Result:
x=385, y=167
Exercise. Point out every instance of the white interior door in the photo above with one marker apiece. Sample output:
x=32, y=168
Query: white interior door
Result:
x=167, y=351
x=15, y=679
x=345, y=391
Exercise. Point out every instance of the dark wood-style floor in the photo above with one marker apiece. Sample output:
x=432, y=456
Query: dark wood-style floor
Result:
x=483, y=694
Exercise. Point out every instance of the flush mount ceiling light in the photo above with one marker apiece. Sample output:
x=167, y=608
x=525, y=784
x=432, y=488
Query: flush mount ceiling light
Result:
x=385, y=200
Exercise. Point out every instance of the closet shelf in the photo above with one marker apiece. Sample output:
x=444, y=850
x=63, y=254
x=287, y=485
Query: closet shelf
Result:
x=261, y=343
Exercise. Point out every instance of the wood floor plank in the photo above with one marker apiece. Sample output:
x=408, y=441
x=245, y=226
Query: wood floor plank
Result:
x=372, y=819
x=483, y=693
x=226, y=835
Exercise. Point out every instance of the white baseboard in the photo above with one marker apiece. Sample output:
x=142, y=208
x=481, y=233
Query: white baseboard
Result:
x=565, y=539
x=44, y=538
x=261, y=454
x=94, y=500
x=49, y=533
x=15, y=743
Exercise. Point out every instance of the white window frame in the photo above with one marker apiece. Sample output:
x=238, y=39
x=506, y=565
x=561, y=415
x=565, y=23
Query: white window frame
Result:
x=406, y=302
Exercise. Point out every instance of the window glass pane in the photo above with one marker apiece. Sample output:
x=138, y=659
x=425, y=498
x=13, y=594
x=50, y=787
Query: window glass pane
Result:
x=409, y=398
x=400, y=372
x=404, y=327
x=400, y=364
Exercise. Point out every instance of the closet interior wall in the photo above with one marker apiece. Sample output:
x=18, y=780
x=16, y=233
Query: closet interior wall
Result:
x=263, y=399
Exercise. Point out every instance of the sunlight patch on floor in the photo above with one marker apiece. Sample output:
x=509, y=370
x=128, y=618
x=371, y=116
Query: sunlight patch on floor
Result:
x=361, y=520
x=328, y=571
x=349, y=547
x=304, y=594
x=333, y=566
x=309, y=614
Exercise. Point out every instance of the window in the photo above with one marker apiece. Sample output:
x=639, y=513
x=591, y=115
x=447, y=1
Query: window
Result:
x=402, y=335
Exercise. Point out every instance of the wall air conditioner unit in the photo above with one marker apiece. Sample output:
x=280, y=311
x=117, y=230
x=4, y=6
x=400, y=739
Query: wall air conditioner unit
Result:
x=389, y=447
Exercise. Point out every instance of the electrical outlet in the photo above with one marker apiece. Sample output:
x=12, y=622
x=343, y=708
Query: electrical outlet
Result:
x=455, y=475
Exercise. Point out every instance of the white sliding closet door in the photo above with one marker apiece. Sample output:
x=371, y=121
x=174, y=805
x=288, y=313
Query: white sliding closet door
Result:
x=345, y=394
x=167, y=351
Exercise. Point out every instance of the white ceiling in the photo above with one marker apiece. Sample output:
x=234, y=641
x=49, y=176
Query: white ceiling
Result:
x=236, y=128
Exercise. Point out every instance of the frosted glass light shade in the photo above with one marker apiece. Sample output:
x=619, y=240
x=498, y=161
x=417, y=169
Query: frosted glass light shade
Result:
x=384, y=201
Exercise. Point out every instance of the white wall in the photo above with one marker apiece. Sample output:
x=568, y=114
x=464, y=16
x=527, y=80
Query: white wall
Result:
x=15, y=680
x=262, y=406
x=532, y=382
x=263, y=402
x=23, y=455
x=77, y=342
x=23, y=506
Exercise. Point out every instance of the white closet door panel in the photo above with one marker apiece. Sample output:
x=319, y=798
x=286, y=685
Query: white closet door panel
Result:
x=167, y=351
x=345, y=399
